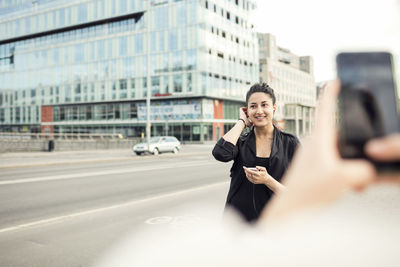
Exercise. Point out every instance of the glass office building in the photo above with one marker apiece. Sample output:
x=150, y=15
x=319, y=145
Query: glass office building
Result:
x=85, y=66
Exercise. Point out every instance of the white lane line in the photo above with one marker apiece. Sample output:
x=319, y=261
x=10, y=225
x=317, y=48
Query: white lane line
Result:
x=88, y=174
x=98, y=210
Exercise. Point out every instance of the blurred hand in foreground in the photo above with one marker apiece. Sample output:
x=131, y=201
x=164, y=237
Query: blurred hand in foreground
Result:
x=385, y=149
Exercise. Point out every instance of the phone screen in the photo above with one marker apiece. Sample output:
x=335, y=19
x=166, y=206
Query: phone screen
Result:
x=367, y=101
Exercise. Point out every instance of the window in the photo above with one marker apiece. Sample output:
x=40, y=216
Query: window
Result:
x=102, y=91
x=155, y=85
x=62, y=113
x=178, y=83
x=161, y=17
x=17, y=114
x=153, y=64
x=133, y=111
x=123, y=46
x=191, y=59
x=102, y=112
x=123, y=88
x=189, y=82
x=161, y=41
x=133, y=88
x=177, y=61
x=79, y=50
x=110, y=112
x=114, y=89
x=139, y=43
x=77, y=92
x=144, y=86
x=153, y=41
x=74, y=113
x=117, y=111
x=165, y=84
x=101, y=49
x=61, y=18
x=89, y=112
x=122, y=6
x=82, y=13
x=110, y=48
x=181, y=16
x=67, y=93
x=173, y=39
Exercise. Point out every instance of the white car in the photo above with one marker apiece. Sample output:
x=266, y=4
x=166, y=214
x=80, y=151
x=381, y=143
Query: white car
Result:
x=158, y=144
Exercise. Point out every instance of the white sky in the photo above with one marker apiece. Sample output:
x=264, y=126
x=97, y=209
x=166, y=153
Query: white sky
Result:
x=321, y=28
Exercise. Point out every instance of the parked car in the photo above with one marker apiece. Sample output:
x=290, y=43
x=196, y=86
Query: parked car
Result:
x=158, y=144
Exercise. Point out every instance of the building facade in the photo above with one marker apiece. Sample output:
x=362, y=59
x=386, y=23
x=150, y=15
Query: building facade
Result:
x=85, y=66
x=292, y=78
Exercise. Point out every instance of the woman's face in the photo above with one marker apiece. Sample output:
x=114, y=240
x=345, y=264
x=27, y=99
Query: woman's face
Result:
x=260, y=109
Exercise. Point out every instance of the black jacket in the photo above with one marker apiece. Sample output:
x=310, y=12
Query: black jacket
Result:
x=250, y=202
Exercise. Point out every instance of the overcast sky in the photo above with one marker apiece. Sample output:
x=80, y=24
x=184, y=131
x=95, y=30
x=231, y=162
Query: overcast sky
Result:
x=323, y=28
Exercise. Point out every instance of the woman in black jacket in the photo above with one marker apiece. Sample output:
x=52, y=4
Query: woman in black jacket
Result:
x=265, y=148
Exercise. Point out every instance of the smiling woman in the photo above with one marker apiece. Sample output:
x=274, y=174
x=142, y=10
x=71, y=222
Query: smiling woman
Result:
x=264, y=148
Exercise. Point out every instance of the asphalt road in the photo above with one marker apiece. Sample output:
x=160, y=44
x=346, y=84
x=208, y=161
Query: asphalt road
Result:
x=66, y=210
x=75, y=208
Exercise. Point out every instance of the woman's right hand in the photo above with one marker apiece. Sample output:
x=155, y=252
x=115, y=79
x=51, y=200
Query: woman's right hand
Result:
x=243, y=116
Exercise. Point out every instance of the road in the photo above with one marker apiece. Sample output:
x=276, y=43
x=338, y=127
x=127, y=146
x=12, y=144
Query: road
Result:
x=74, y=208
x=69, y=211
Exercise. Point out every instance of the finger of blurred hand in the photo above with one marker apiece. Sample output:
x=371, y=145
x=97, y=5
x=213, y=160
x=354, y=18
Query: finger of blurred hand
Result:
x=325, y=114
x=327, y=102
x=357, y=173
x=384, y=149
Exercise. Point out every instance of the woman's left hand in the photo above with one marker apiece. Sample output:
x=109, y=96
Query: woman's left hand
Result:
x=261, y=176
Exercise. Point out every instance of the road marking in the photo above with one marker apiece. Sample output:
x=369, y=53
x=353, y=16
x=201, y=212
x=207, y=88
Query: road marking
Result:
x=159, y=220
x=89, y=174
x=98, y=210
x=178, y=221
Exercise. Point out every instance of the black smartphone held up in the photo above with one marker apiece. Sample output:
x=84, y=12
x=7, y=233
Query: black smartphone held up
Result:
x=367, y=103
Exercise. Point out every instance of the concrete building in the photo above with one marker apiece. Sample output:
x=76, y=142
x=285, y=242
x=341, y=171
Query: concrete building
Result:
x=292, y=78
x=84, y=66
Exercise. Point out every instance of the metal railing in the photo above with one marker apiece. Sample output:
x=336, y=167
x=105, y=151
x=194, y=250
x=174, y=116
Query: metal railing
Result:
x=59, y=136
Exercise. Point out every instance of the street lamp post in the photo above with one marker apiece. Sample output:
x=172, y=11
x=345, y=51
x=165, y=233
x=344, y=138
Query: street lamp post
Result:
x=148, y=126
x=166, y=126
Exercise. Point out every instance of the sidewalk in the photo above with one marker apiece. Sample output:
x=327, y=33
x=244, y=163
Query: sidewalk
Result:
x=29, y=159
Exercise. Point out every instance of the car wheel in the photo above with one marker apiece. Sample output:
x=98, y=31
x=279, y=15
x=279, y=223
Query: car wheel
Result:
x=156, y=152
x=138, y=153
x=175, y=151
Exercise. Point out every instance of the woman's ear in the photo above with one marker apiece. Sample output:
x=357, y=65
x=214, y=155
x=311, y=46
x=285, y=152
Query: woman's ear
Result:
x=274, y=107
